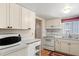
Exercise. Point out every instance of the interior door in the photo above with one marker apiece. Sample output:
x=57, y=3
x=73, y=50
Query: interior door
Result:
x=15, y=16
x=38, y=29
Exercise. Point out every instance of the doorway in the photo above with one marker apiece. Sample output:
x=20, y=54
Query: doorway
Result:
x=38, y=29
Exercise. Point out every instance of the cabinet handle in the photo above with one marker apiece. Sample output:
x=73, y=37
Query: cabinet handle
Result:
x=8, y=27
x=69, y=43
x=11, y=26
x=29, y=28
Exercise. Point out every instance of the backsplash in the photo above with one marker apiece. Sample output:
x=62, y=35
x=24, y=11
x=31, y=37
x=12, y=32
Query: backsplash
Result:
x=24, y=33
x=72, y=36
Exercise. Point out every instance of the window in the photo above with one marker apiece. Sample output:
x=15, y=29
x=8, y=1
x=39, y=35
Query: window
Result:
x=71, y=27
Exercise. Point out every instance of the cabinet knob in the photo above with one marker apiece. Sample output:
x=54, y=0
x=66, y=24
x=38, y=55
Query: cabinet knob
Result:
x=69, y=43
x=8, y=27
x=29, y=28
x=11, y=26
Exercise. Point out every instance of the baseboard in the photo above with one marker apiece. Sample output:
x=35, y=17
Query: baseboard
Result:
x=64, y=53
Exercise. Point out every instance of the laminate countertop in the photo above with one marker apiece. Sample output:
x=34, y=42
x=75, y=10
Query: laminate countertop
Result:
x=29, y=41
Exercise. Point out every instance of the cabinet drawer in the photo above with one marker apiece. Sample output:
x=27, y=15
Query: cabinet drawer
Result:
x=21, y=52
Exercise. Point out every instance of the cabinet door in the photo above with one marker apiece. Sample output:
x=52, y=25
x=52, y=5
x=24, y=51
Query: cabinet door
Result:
x=32, y=48
x=15, y=16
x=3, y=17
x=28, y=18
x=65, y=47
x=21, y=52
x=32, y=23
x=74, y=49
x=25, y=18
x=57, y=45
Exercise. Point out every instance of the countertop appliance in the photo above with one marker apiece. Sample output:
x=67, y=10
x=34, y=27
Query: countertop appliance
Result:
x=7, y=40
x=11, y=44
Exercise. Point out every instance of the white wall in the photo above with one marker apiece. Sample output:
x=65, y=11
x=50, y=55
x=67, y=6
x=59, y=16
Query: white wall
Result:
x=24, y=33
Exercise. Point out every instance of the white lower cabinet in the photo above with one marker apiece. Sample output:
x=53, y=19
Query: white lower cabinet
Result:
x=67, y=46
x=33, y=49
x=74, y=48
x=57, y=45
x=64, y=47
x=21, y=52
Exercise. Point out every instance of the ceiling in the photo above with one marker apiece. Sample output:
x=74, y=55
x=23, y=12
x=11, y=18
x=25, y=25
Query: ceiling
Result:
x=52, y=10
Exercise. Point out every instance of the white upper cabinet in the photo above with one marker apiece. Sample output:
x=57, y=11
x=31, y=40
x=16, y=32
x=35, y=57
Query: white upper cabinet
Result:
x=15, y=16
x=28, y=21
x=28, y=18
x=3, y=17
x=25, y=18
x=10, y=16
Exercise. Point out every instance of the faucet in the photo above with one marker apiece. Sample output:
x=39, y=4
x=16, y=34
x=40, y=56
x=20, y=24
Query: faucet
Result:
x=70, y=36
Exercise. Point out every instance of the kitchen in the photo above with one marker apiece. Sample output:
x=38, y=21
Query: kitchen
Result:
x=39, y=29
x=17, y=31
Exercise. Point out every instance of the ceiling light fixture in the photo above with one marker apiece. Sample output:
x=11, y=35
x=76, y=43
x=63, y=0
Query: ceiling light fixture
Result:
x=67, y=9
